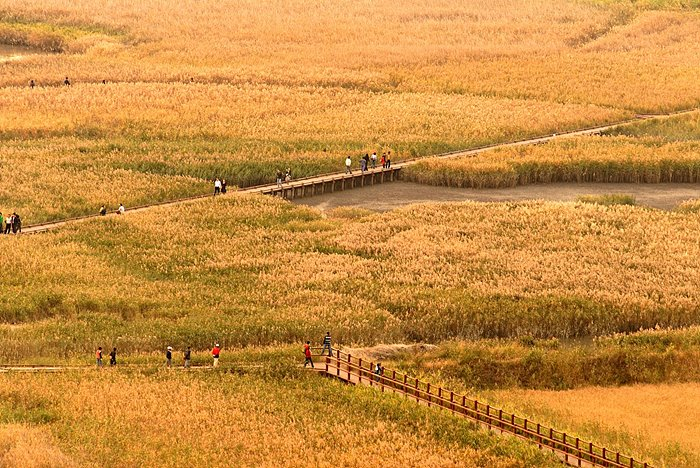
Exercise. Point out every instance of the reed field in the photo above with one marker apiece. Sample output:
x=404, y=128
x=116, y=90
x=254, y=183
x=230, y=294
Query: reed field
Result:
x=236, y=89
x=249, y=270
x=209, y=418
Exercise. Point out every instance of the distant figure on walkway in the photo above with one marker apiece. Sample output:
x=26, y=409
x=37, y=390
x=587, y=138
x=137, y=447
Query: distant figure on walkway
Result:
x=113, y=357
x=378, y=371
x=169, y=356
x=188, y=354
x=121, y=209
x=16, y=223
x=373, y=158
x=8, y=224
x=66, y=82
x=383, y=161
x=32, y=84
x=103, y=210
x=364, y=164
x=278, y=178
x=288, y=175
x=98, y=357
x=348, y=165
x=388, y=160
x=327, y=344
x=307, y=355
x=223, y=186
x=215, y=354
x=217, y=187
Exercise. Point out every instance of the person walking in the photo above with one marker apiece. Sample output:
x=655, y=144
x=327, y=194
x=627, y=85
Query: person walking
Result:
x=8, y=224
x=98, y=356
x=103, y=210
x=217, y=187
x=121, y=209
x=188, y=354
x=66, y=82
x=373, y=158
x=278, y=178
x=378, y=371
x=288, y=175
x=32, y=84
x=383, y=161
x=223, y=186
x=348, y=165
x=169, y=357
x=388, y=160
x=327, y=344
x=215, y=354
x=113, y=357
x=16, y=224
x=365, y=161
x=307, y=355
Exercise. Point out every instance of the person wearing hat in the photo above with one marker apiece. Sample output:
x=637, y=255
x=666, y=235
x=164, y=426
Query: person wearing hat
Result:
x=169, y=356
x=215, y=354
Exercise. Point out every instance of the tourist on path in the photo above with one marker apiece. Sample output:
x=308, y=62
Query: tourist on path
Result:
x=307, y=355
x=215, y=354
x=388, y=160
x=103, y=210
x=223, y=186
x=169, y=356
x=383, y=161
x=66, y=82
x=188, y=354
x=288, y=175
x=217, y=187
x=326, y=344
x=348, y=165
x=121, y=209
x=32, y=84
x=373, y=158
x=278, y=178
x=365, y=162
x=98, y=357
x=113, y=357
x=8, y=224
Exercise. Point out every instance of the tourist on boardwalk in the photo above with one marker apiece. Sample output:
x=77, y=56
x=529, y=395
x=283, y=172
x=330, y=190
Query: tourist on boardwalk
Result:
x=365, y=162
x=98, y=356
x=217, y=187
x=188, y=355
x=383, y=160
x=66, y=82
x=8, y=224
x=326, y=344
x=169, y=356
x=348, y=165
x=373, y=158
x=16, y=224
x=215, y=354
x=388, y=160
x=278, y=178
x=288, y=175
x=378, y=371
x=307, y=355
x=121, y=209
x=223, y=186
x=32, y=84
x=113, y=357
x=103, y=210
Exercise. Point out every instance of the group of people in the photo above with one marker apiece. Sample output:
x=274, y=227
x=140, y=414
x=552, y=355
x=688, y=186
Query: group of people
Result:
x=119, y=211
x=66, y=82
x=326, y=347
x=187, y=356
x=369, y=162
x=283, y=177
x=10, y=224
x=220, y=186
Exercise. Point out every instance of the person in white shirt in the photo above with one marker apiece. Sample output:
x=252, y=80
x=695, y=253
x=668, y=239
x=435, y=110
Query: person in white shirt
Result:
x=348, y=165
x=373, y=158
x=121, y=209
x=217, y=186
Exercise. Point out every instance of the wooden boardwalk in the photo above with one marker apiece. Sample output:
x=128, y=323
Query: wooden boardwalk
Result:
x=571, y=450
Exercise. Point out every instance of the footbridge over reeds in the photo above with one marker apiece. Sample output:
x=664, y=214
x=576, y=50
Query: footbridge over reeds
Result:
x=340, y=181
x=571, y=450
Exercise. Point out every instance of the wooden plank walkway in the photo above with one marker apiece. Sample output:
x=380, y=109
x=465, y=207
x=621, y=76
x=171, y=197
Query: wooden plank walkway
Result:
x=571, y=450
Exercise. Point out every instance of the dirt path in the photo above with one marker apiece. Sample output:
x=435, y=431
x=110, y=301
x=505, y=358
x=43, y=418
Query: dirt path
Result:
x=387, y=197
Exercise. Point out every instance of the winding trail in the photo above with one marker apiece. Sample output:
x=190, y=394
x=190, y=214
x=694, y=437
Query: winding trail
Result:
x=260, y=189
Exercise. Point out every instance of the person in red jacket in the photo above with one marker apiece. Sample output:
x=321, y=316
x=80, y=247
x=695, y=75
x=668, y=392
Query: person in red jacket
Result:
x=215, y=354
x=307, y=355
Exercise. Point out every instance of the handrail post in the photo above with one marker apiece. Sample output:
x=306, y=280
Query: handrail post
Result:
x=417, y=392
x=539, y=437
x=452, y=401
x=337, y=362
x=428, y=393
x=440, y=397
x=488, y=416
x=327, y=359
x=371, y=377
x=359, y=371
x=349, y=364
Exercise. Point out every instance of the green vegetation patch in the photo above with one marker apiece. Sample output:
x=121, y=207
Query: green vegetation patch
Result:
x=608, y=199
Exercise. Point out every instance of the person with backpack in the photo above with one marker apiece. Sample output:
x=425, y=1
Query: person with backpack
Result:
x=326, y=344
x=307, y=355
x=215, y=354
x=378, y=371
x=188, y=355
x=113, y=357
x=98, y=356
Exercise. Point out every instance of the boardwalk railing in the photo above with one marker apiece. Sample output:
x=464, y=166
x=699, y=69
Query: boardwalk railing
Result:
x=571, y=450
